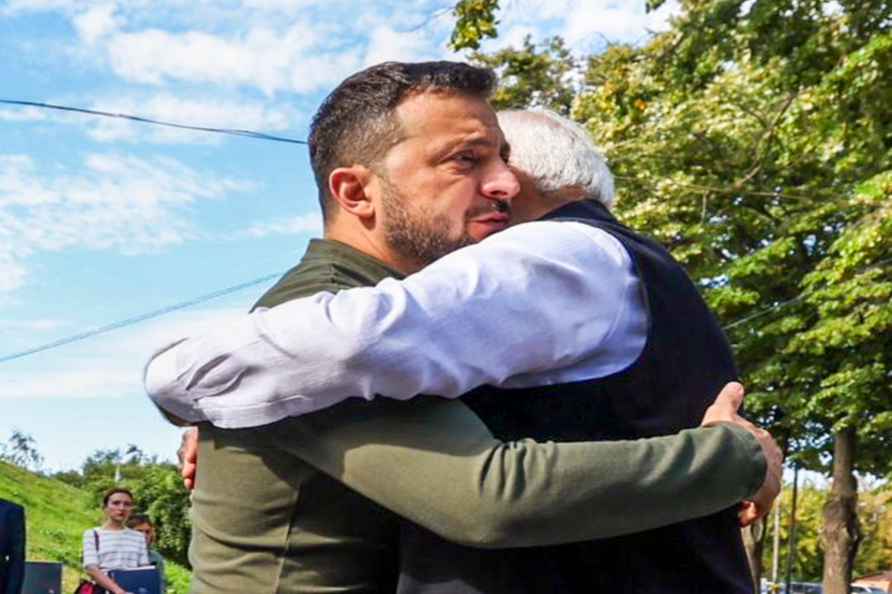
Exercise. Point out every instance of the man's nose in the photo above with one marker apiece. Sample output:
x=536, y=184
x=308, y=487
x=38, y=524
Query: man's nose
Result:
x=500, y=183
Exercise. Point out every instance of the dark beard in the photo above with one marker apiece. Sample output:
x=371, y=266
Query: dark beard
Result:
x=414, y=234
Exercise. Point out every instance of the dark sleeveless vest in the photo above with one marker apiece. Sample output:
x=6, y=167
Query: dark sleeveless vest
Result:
x=685, y=362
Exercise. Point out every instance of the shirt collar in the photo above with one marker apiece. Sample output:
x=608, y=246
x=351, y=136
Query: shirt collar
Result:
x=334, y=251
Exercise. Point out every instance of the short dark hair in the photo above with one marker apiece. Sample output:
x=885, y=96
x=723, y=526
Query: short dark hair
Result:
x=114, y=490
x=355, y=123
x=138, y=519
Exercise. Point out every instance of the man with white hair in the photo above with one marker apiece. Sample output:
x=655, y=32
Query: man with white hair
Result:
x=591, y=331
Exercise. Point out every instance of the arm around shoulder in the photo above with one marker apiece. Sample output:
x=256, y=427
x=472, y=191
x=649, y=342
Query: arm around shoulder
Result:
x=435, y=463
x=311, y=353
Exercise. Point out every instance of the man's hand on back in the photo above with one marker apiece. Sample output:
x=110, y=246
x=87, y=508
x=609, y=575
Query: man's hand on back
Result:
x=724, y=410
x=188, y=456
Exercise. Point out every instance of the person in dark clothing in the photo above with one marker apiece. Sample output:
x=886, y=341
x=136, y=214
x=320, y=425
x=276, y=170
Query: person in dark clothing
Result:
x=12, y=547
x=143, y=524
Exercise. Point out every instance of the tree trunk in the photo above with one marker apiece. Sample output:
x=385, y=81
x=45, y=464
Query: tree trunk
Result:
x=775, y=548
x=840, y=533
x=754, y=542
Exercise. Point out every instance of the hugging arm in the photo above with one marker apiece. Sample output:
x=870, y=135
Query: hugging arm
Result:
x=434, y=462
x=534, y=300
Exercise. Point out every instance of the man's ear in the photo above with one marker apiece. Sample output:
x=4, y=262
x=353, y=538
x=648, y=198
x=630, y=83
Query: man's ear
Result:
x=347, y=186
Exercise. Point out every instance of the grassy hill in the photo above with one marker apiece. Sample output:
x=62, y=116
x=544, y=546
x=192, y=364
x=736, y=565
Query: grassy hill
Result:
x=57, y=515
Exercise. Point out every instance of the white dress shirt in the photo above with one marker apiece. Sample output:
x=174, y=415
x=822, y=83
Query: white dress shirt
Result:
x=540, y=303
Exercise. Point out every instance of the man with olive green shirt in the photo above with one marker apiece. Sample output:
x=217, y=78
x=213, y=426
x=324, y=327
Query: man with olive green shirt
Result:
x=313, y=503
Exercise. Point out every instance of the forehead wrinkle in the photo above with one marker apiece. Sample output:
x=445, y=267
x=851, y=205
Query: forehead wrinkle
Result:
x=473, y=139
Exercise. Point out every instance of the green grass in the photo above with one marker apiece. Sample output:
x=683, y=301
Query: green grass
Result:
x=56, y=516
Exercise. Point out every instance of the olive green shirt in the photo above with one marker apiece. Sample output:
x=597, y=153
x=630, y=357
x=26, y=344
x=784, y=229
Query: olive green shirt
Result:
x=311, y=503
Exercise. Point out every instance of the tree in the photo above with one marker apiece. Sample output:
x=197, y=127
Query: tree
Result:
x=21, y=450
x=807, y=561
x=70, y=477
x=157, y=491
x=532, y=76
x=754, y=139
x=475, y=21
x=160, y=494
x=875, y=508
x=875, y=512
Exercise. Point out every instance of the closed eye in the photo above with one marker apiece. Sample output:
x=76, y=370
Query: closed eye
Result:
x=466, y=158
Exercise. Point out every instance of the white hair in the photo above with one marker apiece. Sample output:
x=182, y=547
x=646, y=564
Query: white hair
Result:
x=557, y=153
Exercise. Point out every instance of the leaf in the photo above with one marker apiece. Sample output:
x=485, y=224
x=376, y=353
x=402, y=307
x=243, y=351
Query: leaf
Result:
x=475, y=21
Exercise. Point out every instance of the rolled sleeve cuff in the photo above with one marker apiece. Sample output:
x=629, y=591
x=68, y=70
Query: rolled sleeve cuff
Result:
x=168, y=394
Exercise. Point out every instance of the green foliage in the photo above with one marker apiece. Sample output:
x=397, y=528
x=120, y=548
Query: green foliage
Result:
x=754, y=140
x=532, y=76
x=70, y=477
x=475, y=20
x=57, y=515
x=808, y=559
x=875, y=513
x=157, y=489
x=875, y=554
x=21, y=450
x=160, y=493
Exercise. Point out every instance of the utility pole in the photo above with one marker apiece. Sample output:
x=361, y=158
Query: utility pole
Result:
x=791, y=553
x=775, y=553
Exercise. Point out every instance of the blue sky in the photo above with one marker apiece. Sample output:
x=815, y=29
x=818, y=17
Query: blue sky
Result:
x=103, y=220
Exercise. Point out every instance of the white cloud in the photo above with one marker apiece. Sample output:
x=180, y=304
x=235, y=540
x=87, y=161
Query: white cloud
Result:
x=515, y=35
x=387, y=44
x=43, y=325
x=582, y=23
x=72, y=381
x=22, y=114
x=265, y=58
x=299, y=46
x=19, y=6
x=12, y=272
x=284, y=6
x=317, y=72
x=96, y=22
x=615, y=21
x=306, y=223
x=16, y=184
x=122, y=202
x=107, y=365
x=214, y=113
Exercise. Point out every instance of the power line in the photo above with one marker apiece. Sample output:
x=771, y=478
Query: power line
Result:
x=264, y=136
x=798, y=297
x=235, y=288
x=766, y=311
x=717, y=190
x=140, y=318
x=226, y=291
x=142, y=120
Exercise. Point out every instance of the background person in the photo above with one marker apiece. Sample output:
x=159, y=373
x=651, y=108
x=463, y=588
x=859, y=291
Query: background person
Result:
x=142, y=524
x=12, y=547
x=113, y=545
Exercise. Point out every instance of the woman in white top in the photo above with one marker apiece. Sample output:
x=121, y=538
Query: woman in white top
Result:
x=113, y=545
